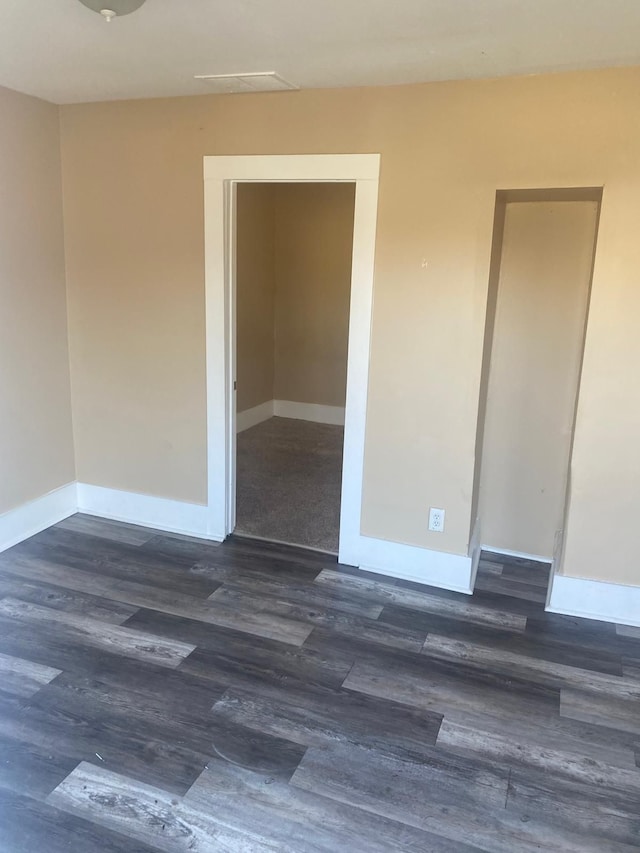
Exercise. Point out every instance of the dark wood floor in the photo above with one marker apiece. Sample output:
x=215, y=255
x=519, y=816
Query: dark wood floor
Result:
x=163, y=694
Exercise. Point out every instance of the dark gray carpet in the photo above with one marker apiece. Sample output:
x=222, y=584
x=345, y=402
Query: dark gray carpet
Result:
x=288, y=482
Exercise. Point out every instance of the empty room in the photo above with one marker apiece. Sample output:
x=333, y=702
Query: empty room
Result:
x=319, y=466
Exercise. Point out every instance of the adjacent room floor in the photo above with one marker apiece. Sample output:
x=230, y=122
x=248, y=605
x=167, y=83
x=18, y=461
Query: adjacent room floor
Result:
x=288, y=482
x=163, y=694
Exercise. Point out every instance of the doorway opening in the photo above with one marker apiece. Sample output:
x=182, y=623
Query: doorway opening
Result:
x=538, y=301
x=294, y=244
x=222, y=177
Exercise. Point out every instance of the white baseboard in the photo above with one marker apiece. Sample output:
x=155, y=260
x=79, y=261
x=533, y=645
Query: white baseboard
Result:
x=254, y=416
x=309, y=412
x=475, y=550
x=558, y=546
x=146, y=511
x=435, y=568
x=289, y=409
x=608, y=602
x=520, y=555
x=19, y=524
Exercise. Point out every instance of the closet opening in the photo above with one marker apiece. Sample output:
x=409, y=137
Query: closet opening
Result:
x=293, y=259
x=537, y=308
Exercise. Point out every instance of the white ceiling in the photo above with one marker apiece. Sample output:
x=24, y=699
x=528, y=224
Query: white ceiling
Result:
x=63, y=52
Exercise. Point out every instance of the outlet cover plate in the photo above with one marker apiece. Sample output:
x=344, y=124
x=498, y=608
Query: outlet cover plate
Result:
x=436, y=520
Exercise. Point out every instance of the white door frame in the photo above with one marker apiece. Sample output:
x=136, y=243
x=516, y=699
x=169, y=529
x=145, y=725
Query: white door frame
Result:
x=221, y=176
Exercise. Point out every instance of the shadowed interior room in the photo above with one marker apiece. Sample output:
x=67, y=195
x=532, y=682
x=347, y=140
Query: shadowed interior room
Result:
x=319, y=469
x=293, y=286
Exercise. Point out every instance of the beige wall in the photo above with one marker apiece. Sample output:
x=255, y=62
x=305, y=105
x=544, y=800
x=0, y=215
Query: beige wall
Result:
x=255, y=290
x=36, y=446
x=542, y=295
x=490, y=319
x=313, y=244
x=134, y=229
x=293, y=288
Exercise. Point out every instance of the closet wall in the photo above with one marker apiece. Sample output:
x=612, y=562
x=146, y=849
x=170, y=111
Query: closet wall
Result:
x=537, y=340
x=293, y=283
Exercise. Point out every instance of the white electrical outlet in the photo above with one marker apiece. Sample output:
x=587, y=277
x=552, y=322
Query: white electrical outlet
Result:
x=436, y=519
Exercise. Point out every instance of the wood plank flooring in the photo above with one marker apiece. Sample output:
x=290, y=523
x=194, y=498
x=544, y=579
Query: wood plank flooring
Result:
x=159, y=693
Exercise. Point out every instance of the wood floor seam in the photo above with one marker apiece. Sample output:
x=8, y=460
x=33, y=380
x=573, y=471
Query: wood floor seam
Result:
x=506, y=796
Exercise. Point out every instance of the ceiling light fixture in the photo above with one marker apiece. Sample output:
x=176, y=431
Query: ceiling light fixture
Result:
x=115, y=8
